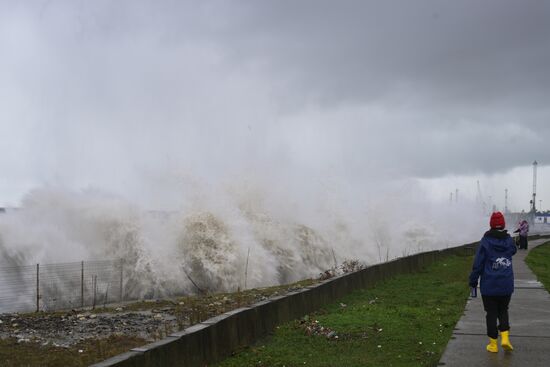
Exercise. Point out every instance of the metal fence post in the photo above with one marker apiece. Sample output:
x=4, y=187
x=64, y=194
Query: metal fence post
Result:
x=121, y=278
x=37, y=287
x=82, y=285
x=94, y=285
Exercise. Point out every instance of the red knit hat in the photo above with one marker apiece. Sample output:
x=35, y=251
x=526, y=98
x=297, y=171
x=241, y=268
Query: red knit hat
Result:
x=497, y=220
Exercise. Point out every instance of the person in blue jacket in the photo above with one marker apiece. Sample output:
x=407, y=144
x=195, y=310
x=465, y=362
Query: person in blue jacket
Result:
x=493, y=264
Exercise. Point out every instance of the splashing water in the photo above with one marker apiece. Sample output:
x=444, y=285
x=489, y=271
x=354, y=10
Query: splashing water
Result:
x=215, y=247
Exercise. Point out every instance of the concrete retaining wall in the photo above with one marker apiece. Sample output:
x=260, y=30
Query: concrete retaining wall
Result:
x=215, y=338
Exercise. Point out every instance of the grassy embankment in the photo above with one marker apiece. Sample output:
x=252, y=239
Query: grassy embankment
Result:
x=538, y=261
x=406, y=321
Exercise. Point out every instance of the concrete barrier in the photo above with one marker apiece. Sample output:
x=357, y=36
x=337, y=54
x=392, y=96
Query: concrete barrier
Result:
x=216, y=338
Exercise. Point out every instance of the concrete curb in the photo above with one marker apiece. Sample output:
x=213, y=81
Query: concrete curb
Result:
x=216, y=338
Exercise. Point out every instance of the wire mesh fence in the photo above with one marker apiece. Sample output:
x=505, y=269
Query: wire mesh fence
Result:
x=48, y=287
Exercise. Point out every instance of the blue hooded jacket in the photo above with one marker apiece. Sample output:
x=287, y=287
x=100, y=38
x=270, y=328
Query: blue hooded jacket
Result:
x=493, y=263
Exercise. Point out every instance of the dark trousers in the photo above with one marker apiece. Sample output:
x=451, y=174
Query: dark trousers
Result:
x=496, y=308
x=523, y=242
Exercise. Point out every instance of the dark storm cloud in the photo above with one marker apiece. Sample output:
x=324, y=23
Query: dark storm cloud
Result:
x=458, y=51
x=93, y=92
x=463, y=82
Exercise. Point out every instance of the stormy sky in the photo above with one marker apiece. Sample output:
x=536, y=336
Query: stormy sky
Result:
x=136, y=97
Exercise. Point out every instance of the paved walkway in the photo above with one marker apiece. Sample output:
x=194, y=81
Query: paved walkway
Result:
x=529, y=321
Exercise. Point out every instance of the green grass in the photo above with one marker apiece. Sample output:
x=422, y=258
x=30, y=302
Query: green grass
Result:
x=538, y=261
x=406, y=321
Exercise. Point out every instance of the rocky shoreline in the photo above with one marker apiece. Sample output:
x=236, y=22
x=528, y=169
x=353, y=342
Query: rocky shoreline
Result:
x=149, y=320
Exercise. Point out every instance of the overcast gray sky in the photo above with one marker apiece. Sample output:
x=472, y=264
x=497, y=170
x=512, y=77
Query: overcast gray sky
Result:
x=131, y=96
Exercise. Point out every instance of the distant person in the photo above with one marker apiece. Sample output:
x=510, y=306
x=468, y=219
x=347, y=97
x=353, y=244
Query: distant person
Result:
x=493, y=263
x=523, y=229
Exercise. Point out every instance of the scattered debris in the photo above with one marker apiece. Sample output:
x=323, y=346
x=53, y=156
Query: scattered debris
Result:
x=348, y=266
x=68, y=329
x=150, y=320
x=313, y=328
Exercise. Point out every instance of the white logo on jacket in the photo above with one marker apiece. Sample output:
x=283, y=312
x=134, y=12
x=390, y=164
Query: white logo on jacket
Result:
x=501, y=262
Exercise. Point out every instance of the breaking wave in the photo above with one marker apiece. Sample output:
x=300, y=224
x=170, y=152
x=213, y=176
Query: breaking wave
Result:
x=211, y=248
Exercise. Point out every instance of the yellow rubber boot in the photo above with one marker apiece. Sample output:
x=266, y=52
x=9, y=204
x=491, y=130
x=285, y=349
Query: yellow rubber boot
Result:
x=492, y=346
x=505, y=340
